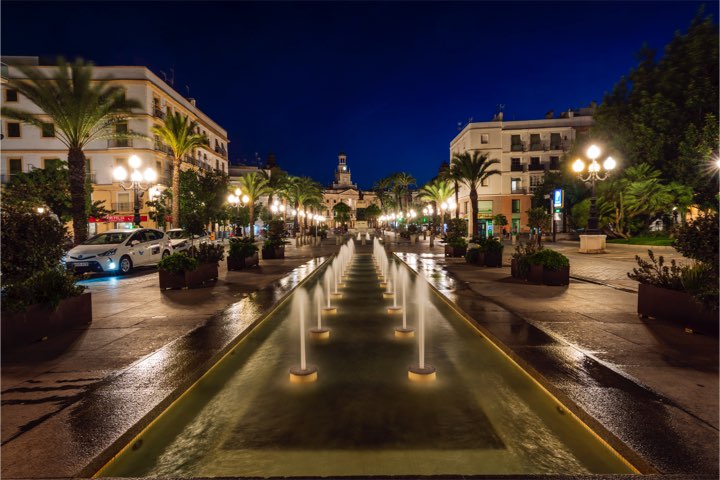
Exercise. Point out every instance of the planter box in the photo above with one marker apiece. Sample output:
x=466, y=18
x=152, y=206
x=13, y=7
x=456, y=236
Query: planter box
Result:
x=514, y=270
x=556, y=277
x=480, y=260
x=493, y=259
x=535, y=275
x=413, y=238
x=273, y=253
x=243, y=262
x=675, y=306
x=455, y=251
x=197, y=278
x=40, y=320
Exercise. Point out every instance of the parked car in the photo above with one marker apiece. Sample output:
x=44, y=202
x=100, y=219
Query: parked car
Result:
x=119, y=251
x=180, y=239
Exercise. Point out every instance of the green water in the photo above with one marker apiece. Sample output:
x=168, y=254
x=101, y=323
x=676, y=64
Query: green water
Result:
x=363, y=416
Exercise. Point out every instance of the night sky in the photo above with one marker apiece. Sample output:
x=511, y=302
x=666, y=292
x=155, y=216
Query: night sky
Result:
x=385, y=82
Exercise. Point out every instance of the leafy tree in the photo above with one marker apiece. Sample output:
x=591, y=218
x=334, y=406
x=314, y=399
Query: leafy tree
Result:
x=341, y=211
x=539, y=220
x=372, y=212
x=82, y=110
x=382, y=188
x=160, y=208
x=500, y=220
x=276, y=178
x=181, y=137
x=401, y=187
x=436, y=192
x=665, y=113
x=472, y=169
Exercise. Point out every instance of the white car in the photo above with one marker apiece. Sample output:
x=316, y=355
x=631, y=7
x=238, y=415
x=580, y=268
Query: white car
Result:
x=118, y=251
x=180, y=239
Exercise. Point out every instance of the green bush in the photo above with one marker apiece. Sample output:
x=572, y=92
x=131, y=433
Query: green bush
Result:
x=207, y=252
x=242, y=248
x=30, y=242
x=523, y=251
x=656, y=273
x=178, y=263
x=491, y=245
x=699, y=239
x=412, y=229
x=472, y=255
x=700, y=281
x=276, y=228
x=47, y=286
x=549, y=259
x=456, y=242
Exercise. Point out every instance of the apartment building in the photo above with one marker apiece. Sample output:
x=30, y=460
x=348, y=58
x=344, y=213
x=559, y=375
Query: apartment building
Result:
x=345, y=191
x=26, y=147
x=527, y=150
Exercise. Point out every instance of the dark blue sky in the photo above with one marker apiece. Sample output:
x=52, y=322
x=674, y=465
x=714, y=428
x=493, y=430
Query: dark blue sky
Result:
x=385, y=82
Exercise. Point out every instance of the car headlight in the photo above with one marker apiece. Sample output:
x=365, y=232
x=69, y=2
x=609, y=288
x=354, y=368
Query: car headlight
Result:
x=108, y=253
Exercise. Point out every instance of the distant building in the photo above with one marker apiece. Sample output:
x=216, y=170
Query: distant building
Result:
x=527, y=150
x=343, y=190
x=26, y=147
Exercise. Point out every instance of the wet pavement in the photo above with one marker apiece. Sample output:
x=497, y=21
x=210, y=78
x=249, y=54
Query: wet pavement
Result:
x=70, y=402
x=645, y=383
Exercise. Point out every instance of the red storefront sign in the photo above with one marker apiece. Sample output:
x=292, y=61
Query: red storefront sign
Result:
x=117, y=219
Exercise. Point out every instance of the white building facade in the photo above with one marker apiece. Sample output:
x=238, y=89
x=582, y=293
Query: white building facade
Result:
x=26, y=147
x=527, y=150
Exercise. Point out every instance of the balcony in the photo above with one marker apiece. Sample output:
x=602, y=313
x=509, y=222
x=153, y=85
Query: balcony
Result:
x=519, y=191
x=123, y=207
x=557, y=146
x=554, y=166
x=517, y=147
x=120, y=143
x=536, y=147
x=161, y=147
x=538, y=167
x=158, y=113
x=221, y=151
x=517, y=168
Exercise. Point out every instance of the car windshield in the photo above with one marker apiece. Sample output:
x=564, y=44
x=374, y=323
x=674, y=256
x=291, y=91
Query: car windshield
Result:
x=111, y=238
x=175, y=234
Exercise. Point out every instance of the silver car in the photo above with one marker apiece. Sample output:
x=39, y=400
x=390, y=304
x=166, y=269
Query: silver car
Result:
x=119, y=250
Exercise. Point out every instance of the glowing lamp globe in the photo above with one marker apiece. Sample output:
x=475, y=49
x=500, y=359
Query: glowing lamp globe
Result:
x=578, y=165
x=593, y=152
x=120, y=174
x=136, y=176
x=245, y=199
x=609, y=163
x=134, y=161
x=150, y=175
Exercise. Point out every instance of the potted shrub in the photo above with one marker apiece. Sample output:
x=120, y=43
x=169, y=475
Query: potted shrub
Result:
x=39, y=297
x=243, y=253
x=174, y=270
x=274, y=246
x=519, y=265
x=664, y=292
x=474, y=253
x=492, y=250
x=413, y=232
x=549, y=267
x=455, y=244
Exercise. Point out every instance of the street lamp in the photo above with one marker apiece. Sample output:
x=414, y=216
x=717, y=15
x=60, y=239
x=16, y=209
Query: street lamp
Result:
x=139, y=182
x=238, y=202
x=595, y=173
x=593, y=241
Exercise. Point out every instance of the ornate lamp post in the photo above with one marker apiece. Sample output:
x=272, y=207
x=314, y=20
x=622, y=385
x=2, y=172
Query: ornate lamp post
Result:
x=139, y=182
x=238, y=202
x=593, y=241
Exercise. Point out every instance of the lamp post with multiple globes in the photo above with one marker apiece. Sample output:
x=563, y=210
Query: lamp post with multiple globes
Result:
x=139, y=182
x=238, y=200
x=593, y=241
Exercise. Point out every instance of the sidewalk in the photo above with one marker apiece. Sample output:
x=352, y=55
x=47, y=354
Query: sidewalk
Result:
x=590, y=343
x=132, y=321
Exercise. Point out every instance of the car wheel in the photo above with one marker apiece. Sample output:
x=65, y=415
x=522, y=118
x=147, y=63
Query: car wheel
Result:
x=165, y=253
x=125, y=265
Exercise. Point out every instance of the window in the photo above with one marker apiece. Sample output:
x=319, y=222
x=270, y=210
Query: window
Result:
x=15, y=165
x=515, y=184
x=484, y=182
x=516, y=206
x=48, y=130
x=122, y=162
x=52, y=162
x=158, y=166
x=11, y=95
x=13, y=130
x=88, y=170
x=555, y=141
x=535, y=141
x=120, y=130
x=466, y=207
x=484, y=138
x=217, y=164
x=515, y=143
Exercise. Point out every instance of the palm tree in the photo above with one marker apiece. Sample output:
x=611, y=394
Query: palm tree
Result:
x=301, y=191
x=254, y=186
x=180, y=136
x=381, y=188
x=437, y=192
x=82, y=109
x=472, y=170
x=402, y=182
x=276, y=178
x=449, y=175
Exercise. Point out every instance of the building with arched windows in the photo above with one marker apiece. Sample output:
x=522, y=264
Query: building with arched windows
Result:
x=343, y=190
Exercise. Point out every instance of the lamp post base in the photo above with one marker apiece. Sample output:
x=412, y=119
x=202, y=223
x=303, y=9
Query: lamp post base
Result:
x=592, y=243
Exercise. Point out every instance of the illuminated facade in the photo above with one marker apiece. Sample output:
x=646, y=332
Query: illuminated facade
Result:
x=343, y=190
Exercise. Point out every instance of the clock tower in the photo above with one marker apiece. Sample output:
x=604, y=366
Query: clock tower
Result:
x=342, y=173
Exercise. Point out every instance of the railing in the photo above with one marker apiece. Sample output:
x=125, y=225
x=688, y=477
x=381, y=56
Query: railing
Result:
x=120, y=143
x=161, y=147
x=517, y=168
x=519, y=191
x=90, y=176
x=517, y=147
x=534, y=147
x=554, y=166
x=158, y=113
x=221, y=151
x=123, y=207
x=536, y=168
x=557, y=146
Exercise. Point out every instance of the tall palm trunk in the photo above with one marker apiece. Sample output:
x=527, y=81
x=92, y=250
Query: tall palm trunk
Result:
x=76, y=171
x=252, y=219
x=176, y=193
x=457, y=200
x=473, y=226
